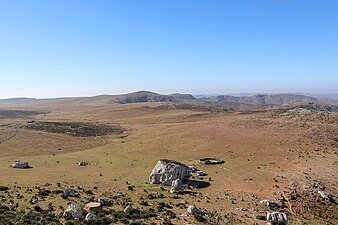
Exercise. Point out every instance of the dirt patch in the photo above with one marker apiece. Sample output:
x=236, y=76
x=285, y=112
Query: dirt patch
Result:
x=75, y=128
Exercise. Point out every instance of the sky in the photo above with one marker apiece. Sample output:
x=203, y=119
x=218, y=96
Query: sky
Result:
x=59, y=48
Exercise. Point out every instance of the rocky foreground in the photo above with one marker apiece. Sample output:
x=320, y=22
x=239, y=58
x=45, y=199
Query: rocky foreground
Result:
x=170, y=197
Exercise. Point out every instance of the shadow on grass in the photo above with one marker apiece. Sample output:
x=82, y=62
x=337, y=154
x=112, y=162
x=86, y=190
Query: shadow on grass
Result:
x=198, y=184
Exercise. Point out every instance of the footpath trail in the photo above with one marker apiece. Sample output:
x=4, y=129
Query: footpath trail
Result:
x=12, y=136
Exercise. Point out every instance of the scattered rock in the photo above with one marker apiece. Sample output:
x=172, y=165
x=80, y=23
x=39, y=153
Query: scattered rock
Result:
x=192, y=169
x=177, y=187
x=210, y=161
x=128, y=209
x=69, y=192
x=131, y=187
x=83, y=163
x=91, y=216
x=267, y=202
x=241, y=209
x=276, y=218
x=103, y=202
x=92, y=206
x=73, y=211
x=193, y=210
x=324, y=195
x=201, y=173
x=20, y=165
x=166, y=171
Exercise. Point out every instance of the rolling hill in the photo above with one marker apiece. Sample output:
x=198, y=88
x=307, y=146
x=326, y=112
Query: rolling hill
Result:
x=278, y=99
x=147, y=96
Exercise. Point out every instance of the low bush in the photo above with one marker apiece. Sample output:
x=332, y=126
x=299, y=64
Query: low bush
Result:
x=3, y=188
x=260, y=217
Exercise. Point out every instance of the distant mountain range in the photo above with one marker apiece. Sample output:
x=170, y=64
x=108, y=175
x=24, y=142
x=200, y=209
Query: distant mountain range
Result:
x=147, y=96
x=227, y=101
x=255, y=100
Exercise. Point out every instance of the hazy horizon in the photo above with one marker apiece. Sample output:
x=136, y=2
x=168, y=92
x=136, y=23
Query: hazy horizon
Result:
x=197, y=95
x=64, y=48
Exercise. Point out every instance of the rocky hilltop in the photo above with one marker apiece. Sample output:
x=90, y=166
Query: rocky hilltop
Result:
x=278, y=99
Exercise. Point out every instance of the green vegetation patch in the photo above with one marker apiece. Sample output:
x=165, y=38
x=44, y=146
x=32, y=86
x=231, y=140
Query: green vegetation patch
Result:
x=75, y=128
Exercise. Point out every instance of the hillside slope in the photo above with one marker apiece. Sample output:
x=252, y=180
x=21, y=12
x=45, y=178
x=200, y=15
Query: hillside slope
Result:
x=278, y=99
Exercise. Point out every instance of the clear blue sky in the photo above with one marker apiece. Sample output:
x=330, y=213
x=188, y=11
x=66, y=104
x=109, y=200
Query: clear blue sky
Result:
x=56, y=48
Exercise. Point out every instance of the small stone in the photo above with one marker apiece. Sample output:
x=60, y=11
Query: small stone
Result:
x=91, y=216
x=20, y=165
x=193, y=210
x=69, y=192
x=177, y=187
x=92, y=206
x=74, y=211
x=83, y=163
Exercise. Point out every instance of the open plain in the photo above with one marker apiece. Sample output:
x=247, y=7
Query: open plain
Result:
x=282, y=154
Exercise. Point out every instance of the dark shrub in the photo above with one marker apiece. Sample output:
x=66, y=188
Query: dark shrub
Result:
x=199, y=218
x=260, y=217
x=167, y=221
x=144, y=203
x=170, y=214
x=3, y=188
x=43, y=192
x=38, y=208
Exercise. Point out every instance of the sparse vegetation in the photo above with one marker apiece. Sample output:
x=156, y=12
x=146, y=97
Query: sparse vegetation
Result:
x=75, y=128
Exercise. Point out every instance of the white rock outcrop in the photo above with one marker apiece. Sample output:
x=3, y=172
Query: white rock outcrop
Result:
x=177, y=187
x=20, y=165
x=166, y=171
x=74, y=211
x=276, y=218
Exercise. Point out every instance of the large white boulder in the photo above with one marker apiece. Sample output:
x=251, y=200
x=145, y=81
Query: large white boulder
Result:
x=177, y=187
x=74, y=211
x=277, y=218
x=166, y=171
